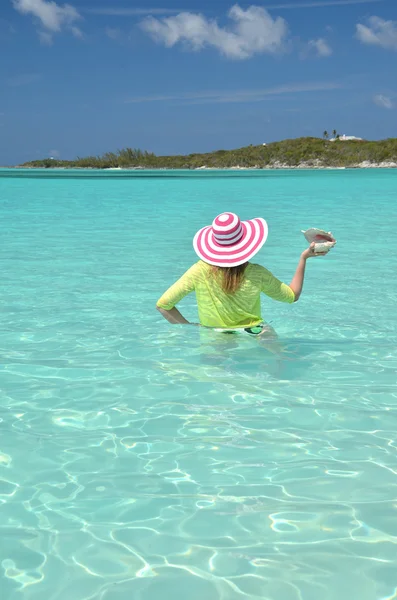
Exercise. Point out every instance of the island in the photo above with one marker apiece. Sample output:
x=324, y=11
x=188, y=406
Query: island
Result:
x=301, y=153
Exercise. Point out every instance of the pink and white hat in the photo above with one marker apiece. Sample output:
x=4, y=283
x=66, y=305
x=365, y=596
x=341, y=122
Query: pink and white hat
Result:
x=229, y=242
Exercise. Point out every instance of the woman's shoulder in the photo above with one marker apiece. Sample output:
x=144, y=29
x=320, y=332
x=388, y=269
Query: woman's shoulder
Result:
x=199, y=268
x=202, y=266
x=256, y=269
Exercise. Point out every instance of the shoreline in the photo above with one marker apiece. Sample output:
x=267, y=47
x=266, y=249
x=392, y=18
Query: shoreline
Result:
x=272, y=167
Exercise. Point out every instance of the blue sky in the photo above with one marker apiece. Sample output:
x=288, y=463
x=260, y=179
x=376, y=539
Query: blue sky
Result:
x=92, y=76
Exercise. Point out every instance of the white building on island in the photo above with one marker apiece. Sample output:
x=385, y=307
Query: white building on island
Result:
x=346, y=138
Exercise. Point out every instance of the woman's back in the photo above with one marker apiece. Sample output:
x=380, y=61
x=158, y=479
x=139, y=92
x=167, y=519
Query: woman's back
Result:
x=218, y=308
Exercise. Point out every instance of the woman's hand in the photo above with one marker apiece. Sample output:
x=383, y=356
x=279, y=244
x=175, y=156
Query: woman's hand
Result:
x=173, y=316
x=310, y=252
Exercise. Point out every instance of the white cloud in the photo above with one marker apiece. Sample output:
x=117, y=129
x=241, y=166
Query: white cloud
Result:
x=320, y=47
x=45, y=38
x=130, y=12
x=236, y=96
x=77, y=32
x=253, y=31
x=378, y=32
x=113, y=33
x=321, y=4
x=140, y=11
x=383, y=101
x=53, y=17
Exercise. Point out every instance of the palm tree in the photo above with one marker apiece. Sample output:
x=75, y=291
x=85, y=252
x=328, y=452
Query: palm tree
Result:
x=325, y=135
x=334, y=133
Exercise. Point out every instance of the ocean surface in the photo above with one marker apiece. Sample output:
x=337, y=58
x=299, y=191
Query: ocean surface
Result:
x=144, y=461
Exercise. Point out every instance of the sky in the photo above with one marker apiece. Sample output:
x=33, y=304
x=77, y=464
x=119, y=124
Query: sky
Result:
x=183, y=76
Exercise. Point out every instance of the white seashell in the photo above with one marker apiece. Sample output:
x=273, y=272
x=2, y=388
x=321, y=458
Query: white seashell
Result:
x=324, y=240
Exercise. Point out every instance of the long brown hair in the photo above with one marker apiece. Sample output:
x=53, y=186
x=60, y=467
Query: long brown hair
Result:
x=232, y=277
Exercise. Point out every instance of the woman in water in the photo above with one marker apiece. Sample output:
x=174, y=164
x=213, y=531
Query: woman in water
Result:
x=227, y=284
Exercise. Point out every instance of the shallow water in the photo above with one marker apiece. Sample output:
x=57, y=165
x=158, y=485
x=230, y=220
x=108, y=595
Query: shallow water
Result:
x=142, y=460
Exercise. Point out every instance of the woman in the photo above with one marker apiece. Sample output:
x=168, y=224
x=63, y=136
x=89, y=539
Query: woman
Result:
x=227, y=285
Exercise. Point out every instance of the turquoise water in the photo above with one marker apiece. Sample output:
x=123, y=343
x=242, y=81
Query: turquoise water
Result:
x=140, y=460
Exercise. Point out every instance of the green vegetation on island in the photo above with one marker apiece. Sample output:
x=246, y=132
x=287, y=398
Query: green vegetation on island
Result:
x=307, y=151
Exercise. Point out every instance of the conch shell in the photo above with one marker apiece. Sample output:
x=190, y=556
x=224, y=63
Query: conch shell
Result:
x=323, y=240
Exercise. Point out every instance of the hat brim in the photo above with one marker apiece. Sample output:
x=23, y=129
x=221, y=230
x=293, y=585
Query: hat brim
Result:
x=255, y=232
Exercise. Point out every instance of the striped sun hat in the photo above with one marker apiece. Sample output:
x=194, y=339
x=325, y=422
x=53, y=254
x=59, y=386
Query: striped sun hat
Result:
x=229, y=242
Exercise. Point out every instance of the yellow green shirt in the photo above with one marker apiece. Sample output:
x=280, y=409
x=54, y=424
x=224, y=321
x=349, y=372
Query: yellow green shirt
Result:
x=219, y=309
